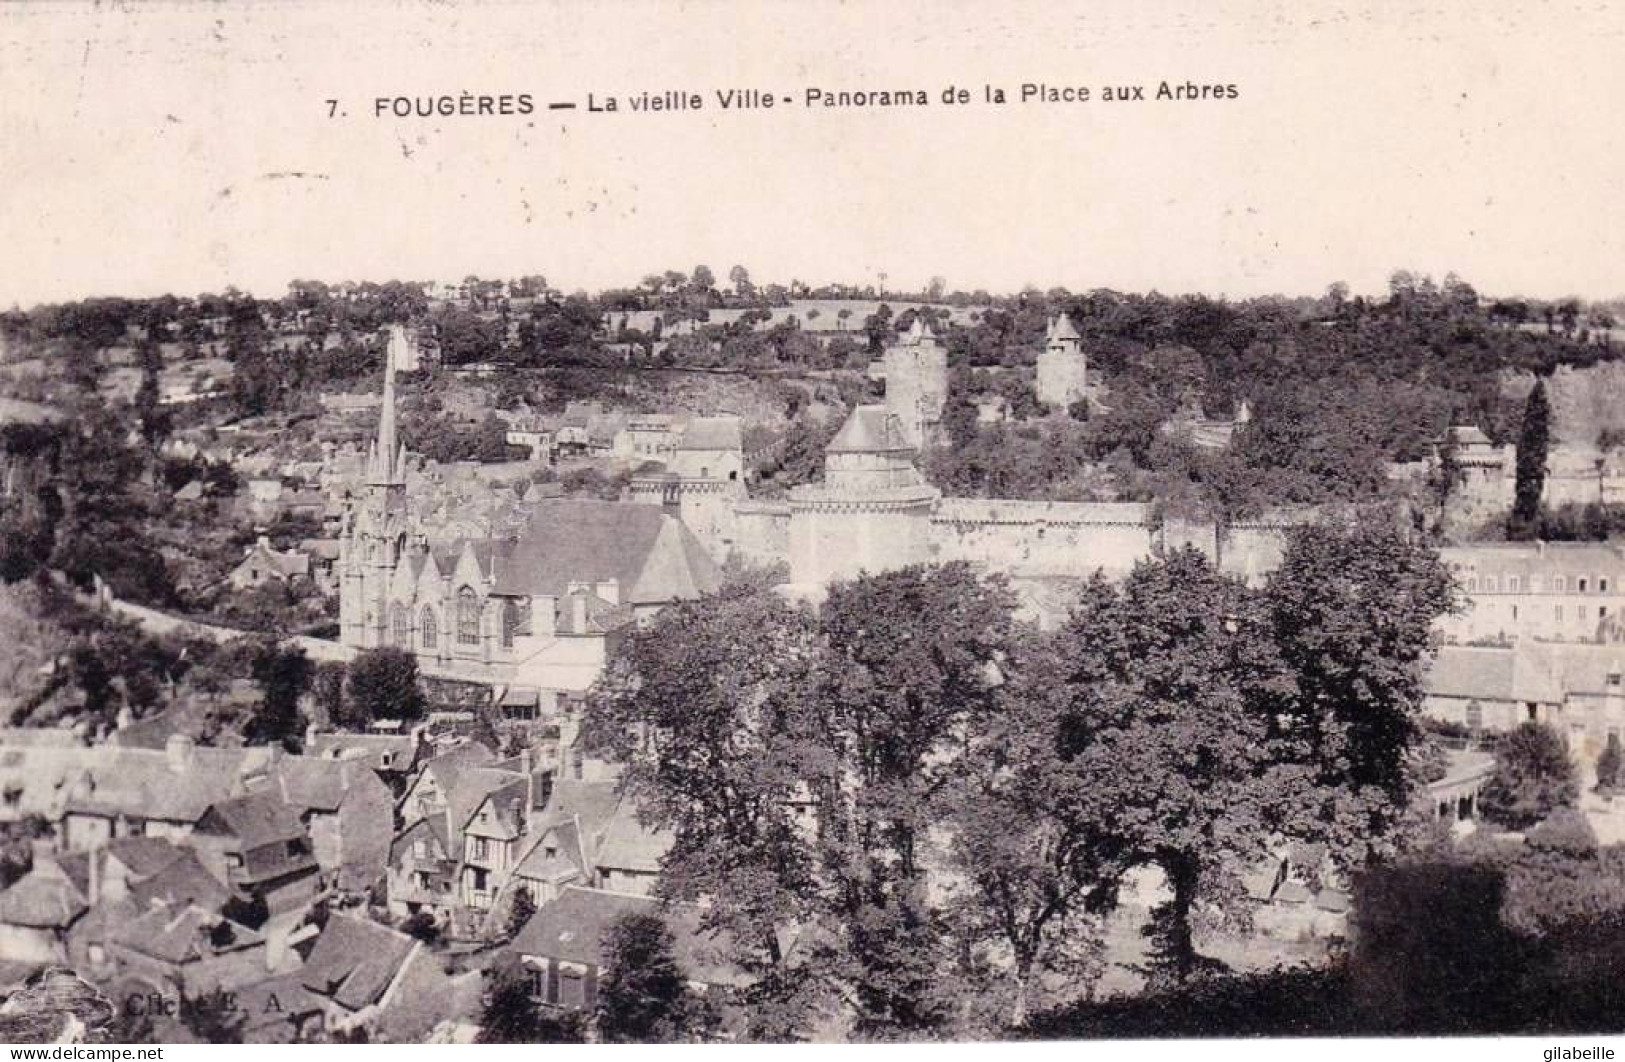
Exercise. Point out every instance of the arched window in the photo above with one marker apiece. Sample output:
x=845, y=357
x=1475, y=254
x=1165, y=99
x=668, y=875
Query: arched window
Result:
x=401, y=626
x=431, y=629
x=468, y=617
x=511, y=619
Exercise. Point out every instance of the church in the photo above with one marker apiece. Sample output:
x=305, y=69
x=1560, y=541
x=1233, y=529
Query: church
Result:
x=539, y=607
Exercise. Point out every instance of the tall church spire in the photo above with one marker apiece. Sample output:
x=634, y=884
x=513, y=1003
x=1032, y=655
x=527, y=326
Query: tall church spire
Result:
x=387, y=462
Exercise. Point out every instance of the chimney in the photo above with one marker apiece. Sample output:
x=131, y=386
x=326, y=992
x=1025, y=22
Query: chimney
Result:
x=178, y=751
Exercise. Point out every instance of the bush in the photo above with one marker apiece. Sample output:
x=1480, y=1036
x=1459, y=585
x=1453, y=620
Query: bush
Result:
x=1533, y=777
x=1565, y=831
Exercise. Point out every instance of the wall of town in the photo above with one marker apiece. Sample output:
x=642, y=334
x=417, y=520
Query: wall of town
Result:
x=1042, y=538
x=762, y=532
x=835, y=539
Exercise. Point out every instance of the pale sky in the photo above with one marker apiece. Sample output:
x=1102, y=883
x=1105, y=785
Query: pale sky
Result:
x=187, y=148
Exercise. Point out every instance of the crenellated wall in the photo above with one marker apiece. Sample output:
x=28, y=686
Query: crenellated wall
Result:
x=1033, y=538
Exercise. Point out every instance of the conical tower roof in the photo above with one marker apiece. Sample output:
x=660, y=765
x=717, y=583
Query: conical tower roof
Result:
x=386, y=463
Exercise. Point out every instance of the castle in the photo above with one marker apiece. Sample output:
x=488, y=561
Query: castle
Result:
x=874, y=511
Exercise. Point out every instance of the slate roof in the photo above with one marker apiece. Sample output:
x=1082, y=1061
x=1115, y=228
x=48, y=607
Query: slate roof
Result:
x=1572, y=559
x=367, y=749
x=41, y=901
x=141, y=782
x=868, y=430
x=712, y=433
x=183, y=881
x=1519, y=674
x=181, y=936
x=354, y=961
x=144, y=856
x=572, y=928
x=506, y=811
x=310, y=784
x=653, y=557
x=628, y=845
x=259, y=819
x=599, y=616
x=470, y=790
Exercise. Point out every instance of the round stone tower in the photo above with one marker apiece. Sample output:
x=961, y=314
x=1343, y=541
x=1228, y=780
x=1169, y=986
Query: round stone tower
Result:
x=917, y=383
x=871, y=514
x=1063, y=367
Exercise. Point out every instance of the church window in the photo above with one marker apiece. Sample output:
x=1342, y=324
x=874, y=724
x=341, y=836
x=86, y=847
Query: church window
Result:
x=401, y=621
x=468, y=617
x=431, y=629
x=512, y=620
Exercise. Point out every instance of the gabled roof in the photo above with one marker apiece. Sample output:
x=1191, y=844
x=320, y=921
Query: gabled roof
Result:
x=600, y=616
x=371, y=750
x=470, y=790
x=144, y=856
x=354, y=961
x=183, y=881
x=506, y=811
x=628, y=845
x=653, y=557
x=41, y=901
x=184, y=935
x=257, y=819
x=310, y=784
x=869, y=430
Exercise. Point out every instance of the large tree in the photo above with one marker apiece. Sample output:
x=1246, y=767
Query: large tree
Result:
x=283, y=673
x=645, y=996
x=382, y=683
x=1534, y=442
x=910, y=672
x=1352, y=611
x=700, y=707
x=1534, y=776
x=1030, y=868
x=1176, y=692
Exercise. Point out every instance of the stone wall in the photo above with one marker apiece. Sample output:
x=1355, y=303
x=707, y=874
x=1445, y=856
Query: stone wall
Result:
x=1035, y=538
x=762, y=532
